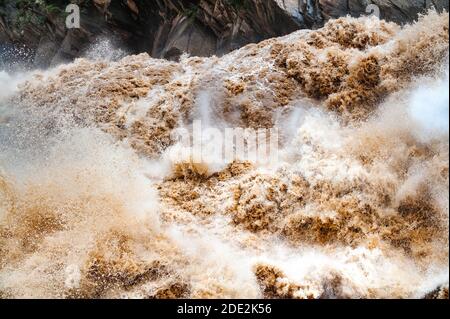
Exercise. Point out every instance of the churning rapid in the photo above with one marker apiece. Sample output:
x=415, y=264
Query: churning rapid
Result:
x=357, y=205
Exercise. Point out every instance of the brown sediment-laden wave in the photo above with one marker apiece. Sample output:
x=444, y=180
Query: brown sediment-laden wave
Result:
x=355, y=207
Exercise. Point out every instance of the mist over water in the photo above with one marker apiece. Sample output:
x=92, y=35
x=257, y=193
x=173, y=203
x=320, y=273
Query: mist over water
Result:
x=429, y=107
x=93, y=206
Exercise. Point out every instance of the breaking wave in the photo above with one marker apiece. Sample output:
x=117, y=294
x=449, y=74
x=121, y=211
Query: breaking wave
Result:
x=91, y=206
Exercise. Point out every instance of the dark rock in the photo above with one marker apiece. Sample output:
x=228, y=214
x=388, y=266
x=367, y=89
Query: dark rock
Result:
x=167, y=28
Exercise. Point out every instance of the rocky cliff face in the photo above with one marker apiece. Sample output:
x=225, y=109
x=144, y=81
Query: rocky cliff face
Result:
x=167, y=28
x=399, y=11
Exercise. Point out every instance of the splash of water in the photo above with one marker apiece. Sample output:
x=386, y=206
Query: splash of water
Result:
x=357, y=206
x=429, y=108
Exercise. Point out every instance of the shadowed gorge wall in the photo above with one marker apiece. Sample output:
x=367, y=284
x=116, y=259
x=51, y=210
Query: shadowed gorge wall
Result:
x=167, y=28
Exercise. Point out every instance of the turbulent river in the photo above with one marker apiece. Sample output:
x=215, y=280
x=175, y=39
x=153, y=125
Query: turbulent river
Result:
x=94, y=204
